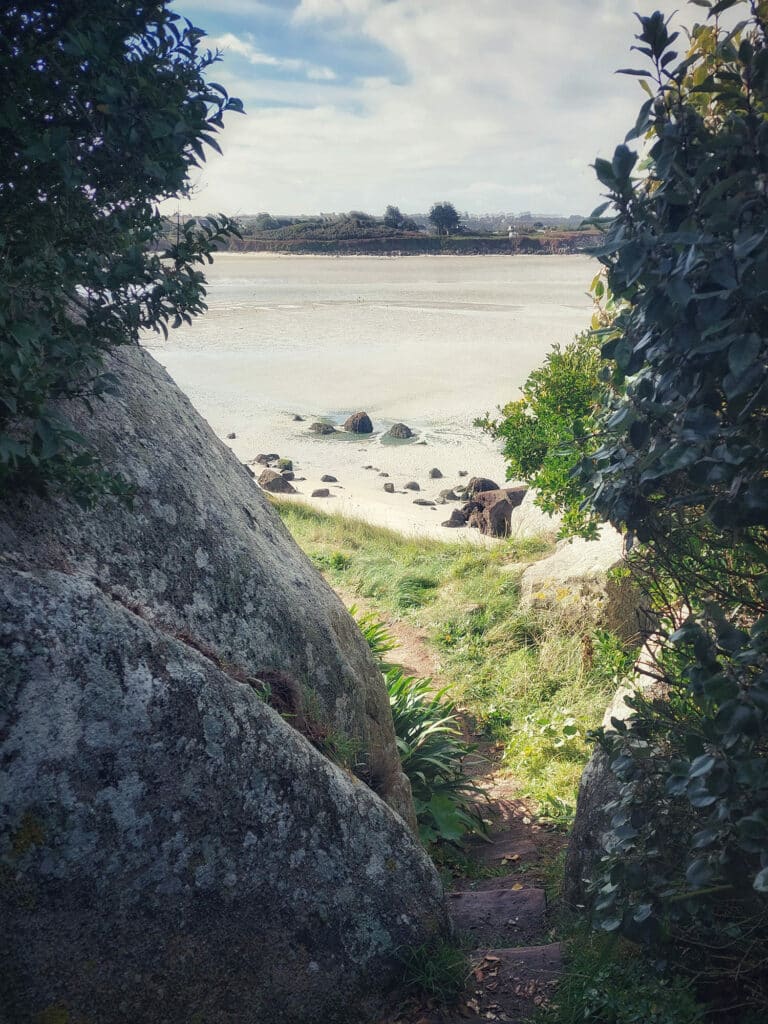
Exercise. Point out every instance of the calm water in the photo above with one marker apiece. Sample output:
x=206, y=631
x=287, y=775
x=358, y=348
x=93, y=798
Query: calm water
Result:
x=432, y=341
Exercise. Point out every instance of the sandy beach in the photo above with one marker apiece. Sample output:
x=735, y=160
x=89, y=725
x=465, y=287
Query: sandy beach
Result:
x=429, y=341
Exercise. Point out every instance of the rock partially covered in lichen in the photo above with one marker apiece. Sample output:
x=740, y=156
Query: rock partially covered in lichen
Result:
x=171, y=848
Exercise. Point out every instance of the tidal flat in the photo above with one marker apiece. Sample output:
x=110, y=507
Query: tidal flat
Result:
x=430, y=341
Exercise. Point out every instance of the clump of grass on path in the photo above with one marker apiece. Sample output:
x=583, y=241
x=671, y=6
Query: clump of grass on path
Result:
x=530, y=679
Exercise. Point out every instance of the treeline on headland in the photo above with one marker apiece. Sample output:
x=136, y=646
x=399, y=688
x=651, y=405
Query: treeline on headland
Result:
x=411, y=245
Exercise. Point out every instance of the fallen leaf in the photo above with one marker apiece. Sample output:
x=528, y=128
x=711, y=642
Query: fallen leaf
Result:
x=517, y=887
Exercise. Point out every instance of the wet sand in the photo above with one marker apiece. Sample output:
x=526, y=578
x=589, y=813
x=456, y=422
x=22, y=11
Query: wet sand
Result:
x=429, y=341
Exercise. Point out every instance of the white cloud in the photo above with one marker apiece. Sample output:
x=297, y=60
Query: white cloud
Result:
x=503, y=105
x=230, y=43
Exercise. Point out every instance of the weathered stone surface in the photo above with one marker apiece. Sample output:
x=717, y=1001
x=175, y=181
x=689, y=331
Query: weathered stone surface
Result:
x=359, y=423
x=598, y=786
x=203, y=556
x=275, y=482
x=322, y=428
x=170, y=848
x=457, y=519
x=399, y=431
x=576, y=580
x=480, y=483
x=287, y=474
x=491, y=511
x=528, y=520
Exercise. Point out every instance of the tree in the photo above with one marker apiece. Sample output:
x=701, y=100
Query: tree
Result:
x=105, y=112
x=444, y=218
x=393, y=218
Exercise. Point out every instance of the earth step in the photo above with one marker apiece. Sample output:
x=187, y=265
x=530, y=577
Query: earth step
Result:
x=498, y=916
x=506, y=847
x=506, y=985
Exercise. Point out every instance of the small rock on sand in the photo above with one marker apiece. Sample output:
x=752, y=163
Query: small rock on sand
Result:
x=231, y=437
x=297, y=418
x=463, y=472
x=389, y=488
x=328, y=479
x=322, y=428
x=411, y=486
x=275, y=483
x=435, y=474
x=424, y=501
x=399, y=431
x=264, y=460
x=321, y=492
x=457, y=519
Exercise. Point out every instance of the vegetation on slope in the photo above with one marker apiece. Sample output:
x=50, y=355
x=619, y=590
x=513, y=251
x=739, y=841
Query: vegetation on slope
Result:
x=535, y=684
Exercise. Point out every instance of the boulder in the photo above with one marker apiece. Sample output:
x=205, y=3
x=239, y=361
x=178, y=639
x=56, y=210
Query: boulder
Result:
x=322, y=428
x=321, y=492
x=578, y=581
x=287, y=474
x=457, y=519
x=491, y=511
x=411, y=486
x=265, y=460
x=173, y=842
x=285, y=463
x=275, y=482
x=326, y=478
x=359, y=423
x=172, y=849
x=435, y=474
x=448, y=494
x=399, y=431
x=528, y=520
x=480, y=483
x=389, y=488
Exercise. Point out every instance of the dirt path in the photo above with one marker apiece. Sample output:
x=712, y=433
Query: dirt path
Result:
x=498, y=905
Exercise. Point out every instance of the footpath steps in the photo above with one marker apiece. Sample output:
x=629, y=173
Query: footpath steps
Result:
x=502, y=919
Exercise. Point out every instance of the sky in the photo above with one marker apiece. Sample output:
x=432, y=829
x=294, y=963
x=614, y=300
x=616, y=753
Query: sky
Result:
x=493, y=105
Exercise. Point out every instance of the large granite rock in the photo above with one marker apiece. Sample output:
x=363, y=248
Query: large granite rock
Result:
x=578, y=581
x=170, y=848
x=528, y=520
x=598, y=787
x=491, y=511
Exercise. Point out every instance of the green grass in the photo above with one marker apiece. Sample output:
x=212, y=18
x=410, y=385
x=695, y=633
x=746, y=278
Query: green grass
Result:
x=521, y=673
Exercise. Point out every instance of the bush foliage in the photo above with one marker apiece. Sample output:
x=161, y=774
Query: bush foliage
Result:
x=682, y=468
x=105, y=111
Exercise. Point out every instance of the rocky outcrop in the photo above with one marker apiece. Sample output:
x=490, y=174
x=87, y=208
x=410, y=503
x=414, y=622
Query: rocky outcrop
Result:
x=457, y=519
x=322, y=428
x=490, y=511
x=170, y=847
x=359, y=423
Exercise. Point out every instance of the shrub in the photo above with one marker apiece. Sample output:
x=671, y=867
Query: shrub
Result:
x=547, y=431
x=107, y=111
